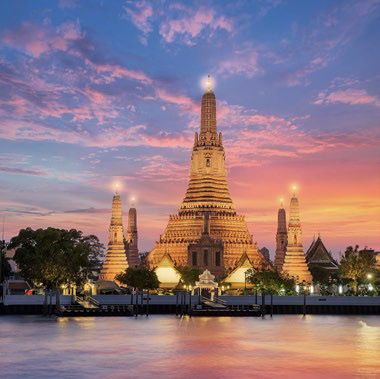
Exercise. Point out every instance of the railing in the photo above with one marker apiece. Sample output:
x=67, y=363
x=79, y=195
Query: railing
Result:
x=94, y=301
x=216, y=301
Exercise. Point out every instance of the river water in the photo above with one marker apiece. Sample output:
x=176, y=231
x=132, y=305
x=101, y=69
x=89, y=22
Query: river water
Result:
x=170, y=347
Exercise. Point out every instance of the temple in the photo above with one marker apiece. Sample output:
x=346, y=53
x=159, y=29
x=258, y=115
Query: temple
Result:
x=207, y=232
x=295, y=262
x=318, y=256
x=281, y=239
x=116, y=258
x=132, y=237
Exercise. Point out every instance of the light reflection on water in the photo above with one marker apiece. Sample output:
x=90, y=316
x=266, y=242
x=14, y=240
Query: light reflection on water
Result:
x=169, y=347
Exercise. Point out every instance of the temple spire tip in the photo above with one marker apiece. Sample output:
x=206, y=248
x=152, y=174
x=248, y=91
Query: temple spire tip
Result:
x=208, y=82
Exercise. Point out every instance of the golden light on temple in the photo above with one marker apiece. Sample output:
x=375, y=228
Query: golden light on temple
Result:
x=207, y=82
x=116, y=186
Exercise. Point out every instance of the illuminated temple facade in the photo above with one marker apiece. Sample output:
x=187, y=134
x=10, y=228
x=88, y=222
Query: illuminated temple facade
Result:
x=207, y=233
x=122, y=251
x=295, y=261
x=116, y=258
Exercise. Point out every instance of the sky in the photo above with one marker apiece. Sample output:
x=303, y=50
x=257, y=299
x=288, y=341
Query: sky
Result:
x=94, y=93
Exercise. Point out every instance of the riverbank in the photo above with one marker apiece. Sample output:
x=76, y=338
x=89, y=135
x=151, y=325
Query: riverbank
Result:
x=127, y=305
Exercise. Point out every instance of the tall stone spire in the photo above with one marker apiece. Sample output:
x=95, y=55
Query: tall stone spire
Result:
x=295, y=262
x=116, y=258
x=207, y=232
x=132, y=237
x=281, y=239
x=208, y=189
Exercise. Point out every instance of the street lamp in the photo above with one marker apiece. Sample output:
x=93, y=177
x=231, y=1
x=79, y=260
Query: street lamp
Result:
x=369, y=276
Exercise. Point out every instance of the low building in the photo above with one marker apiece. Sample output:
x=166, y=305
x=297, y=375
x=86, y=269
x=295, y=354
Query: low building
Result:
x=167, y=274
x=237, y=277
x=317, y=255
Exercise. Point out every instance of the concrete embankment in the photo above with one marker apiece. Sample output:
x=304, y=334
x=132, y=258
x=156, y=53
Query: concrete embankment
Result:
x=124, y=305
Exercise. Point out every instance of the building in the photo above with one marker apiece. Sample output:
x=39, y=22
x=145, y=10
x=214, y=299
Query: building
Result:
x=318, y=256
x=207, y=232
x=132, y=237
x=116, y=260
x=281, y=239
x=167, y=274
x=265, y=252
x=295, y=261
x=237, y=278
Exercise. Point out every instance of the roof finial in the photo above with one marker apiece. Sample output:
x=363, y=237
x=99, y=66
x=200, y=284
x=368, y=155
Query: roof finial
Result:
x=133, y=202
x=116, y=188
x=281, y=200
x=208, y=82
x=294, y=190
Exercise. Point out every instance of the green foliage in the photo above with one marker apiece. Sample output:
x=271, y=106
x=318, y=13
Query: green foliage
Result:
x=5, y=268
x=54, y=257
x=355, y=265
x=319, y=274
x=189, y=275
x=140, y=278
x=271, y=281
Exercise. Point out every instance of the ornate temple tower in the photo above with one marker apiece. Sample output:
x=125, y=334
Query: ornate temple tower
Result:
x=116, y=258
x=281, y=239
x=207, y=203
x=131, y=237
x=295, y=261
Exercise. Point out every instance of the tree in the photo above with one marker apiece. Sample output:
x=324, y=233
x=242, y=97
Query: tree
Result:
x=355, y=264
x=140, y=278
x=189, y=275
x=55, y=257
x=5, y=267
x=271, y=281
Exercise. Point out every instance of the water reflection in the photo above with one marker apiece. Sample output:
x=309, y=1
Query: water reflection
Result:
x=169, y=347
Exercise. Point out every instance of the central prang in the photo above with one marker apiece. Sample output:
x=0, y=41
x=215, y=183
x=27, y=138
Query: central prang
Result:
x=207, y=233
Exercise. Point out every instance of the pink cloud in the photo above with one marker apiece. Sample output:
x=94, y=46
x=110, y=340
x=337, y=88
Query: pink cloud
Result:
x=141, y=15
x=348, y=96
x=244, y=61
x=191, y=25
x=116, y=71
x=184, y=102
x=106, y=137
x=23, y=171
x=35, y=40
x=160, y=168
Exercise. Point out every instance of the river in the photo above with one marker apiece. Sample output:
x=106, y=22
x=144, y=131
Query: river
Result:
x=168, y=347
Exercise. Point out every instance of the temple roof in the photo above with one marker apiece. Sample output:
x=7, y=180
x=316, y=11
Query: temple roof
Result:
x=318, y=254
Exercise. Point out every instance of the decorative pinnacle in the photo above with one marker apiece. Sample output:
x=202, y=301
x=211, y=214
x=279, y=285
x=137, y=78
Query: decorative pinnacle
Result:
x=116, y=188
x=209, y=83
x=294, y=190
x=132, y=202
x=281, y=200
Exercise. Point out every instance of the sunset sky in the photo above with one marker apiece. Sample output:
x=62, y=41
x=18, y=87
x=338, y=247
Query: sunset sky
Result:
x=98, y=92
